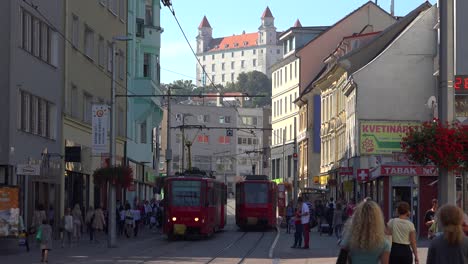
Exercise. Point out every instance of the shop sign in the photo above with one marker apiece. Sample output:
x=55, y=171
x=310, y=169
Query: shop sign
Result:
x=382, y=137
x=348, y=186
x=324, y=180
x=28, y=169
x=410, y=170
x=345, y=171
x=332, y=182
x=363, y=175
x=316, y=179
x=100, y=122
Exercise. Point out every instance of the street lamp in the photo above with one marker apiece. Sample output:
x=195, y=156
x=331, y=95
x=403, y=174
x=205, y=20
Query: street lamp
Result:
x=111, y=237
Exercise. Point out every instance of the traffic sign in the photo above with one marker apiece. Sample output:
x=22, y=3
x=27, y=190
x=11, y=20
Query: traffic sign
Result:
x=229, y=133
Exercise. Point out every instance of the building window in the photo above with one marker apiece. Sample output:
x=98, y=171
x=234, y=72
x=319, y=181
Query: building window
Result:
x=290, y=132
x=242, y=64
x=149, y=12
x=291, y=102
x=35, y=115
x=281, y=77
x=242, y=53
x=224, y=119
x=213, y=78
x=281, y=106
x=203, y=139
x=285, y=104
x=224, y=140
x=295, y=69
x=204, y=118
x=212, y=56
x=113, y=6
x=232, y=65
x=121, y=64
x=101, y=52
x=122, y=10
x=36, y=37
x=146, y=65
x=290, y=72
x=286, y=74
x=254, y=51
x=232, y=77
x=274, y=109
x=89, y=42
x=222, y=77
x=25, y=111
x=109, y=57
x=143, y=134
x=222, y=66
x=26, y=28
x=232, y=54
x=254, y=62
x=222, y=55
x=74, y=101
x=249, y=120
x=213, y=67
x=87, y=107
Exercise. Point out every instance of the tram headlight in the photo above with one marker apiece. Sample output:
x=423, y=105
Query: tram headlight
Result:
x=196, y=219
x=174, y=219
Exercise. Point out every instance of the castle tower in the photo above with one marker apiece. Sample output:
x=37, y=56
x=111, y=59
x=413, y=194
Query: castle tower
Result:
x=205, y=35
x=267, y=31
x=298, y=23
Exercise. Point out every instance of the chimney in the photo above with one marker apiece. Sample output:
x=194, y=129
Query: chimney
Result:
x=243, y=32
x=392, y=8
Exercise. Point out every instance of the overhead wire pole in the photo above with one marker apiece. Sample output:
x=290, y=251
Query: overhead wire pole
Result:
x=446, y=183
x=296, y=182
x=168, y=135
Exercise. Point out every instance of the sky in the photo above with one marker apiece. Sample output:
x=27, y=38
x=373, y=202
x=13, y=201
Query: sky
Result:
x=228, y=17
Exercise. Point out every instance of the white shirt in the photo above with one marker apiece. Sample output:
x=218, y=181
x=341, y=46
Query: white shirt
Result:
x=305, y=218
x=136, y=214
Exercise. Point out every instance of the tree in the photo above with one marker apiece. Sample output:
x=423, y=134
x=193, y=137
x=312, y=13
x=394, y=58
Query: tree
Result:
x=254, y=83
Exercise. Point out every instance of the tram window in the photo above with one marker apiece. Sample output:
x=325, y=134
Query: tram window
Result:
x=256, y=193
x=211, y=199
x=186, y=193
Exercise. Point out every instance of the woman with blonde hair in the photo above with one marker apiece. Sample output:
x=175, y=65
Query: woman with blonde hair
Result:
x=77, y=222
x=365, y=235
x=452, y=246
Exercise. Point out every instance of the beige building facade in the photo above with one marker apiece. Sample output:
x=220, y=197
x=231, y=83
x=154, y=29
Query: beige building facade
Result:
x=90, y=27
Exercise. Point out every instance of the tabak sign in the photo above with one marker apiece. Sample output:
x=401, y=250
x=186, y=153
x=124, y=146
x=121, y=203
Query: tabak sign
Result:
x=382, y=137
x=409, y=170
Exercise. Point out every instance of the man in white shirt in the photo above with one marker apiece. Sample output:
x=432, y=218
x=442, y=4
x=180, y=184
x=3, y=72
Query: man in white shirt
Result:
x=305, y=218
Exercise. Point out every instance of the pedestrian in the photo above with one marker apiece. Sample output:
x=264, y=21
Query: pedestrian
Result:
x=365, y=240
x=67, y=227
x=289, y=215
x=137, y=219
x=121, y=220
x=403, y=237
x=319, y=212
x=45, y=238
x=38, y=217
x=129, y=222
x=452, y=246
x=89, y=222
x=331, y=203
x=329, y=213
x=350, y=207
x=77, y=222
x=23, y=232
x=429, y=219
x=99, y=222
x=148, y=212
x=51, y=215
x=338, y=220
x=305, y=219
x=299, y=227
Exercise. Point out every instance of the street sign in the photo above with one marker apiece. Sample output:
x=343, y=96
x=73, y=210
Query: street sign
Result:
x=28, y=169
x=229, y=133
x=362, y=175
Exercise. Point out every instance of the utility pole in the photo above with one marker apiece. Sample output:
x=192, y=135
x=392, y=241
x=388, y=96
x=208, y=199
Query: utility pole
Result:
x=156, y=151
x=168, y=134
x=296, y=183
x=446, y=183
x=182, y=149
x=189, y=153
x=111, y=237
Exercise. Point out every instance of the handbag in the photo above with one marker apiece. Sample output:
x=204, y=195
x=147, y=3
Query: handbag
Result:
x=39, y=235
x=22, y=239
x=343, y=257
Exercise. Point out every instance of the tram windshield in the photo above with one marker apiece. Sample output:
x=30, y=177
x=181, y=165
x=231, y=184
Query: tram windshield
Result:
x=256, y=193
x=185, y=193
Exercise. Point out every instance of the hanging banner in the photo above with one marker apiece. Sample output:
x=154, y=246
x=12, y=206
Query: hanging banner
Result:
x=100, y=123
x=9, y=211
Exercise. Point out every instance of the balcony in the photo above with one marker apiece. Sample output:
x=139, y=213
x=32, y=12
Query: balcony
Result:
x=143, y=106
x=152, y=36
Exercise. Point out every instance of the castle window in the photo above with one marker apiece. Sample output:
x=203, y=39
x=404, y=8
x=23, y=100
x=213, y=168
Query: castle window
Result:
x=212, y=67
x=232, y=54
x=232, y=65
x=236, y=45
x=222, y=55
x=254, y=62
x=242, y=53
x=204, y=57
x=242, y=64
x=222, y=77
x=246, y=43
x=226, y=46
x=213, y=57
x=254, y=51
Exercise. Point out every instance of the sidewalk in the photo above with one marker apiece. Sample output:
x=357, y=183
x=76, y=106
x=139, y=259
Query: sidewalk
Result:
x=12, y=253
x=323, y=249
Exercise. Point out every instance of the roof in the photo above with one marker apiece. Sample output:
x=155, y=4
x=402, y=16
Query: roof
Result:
x=267, y=13
x=359, y=57
x=298, y=23
x=204, y=23
x=235, y=41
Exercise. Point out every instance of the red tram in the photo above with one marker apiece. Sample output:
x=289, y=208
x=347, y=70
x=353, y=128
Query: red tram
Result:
x=256, y=202
x=195, y=205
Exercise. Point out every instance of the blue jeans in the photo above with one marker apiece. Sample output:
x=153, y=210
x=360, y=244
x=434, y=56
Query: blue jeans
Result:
x=298, y=235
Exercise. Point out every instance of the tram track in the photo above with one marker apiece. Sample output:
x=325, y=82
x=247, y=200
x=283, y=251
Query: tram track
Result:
x=235, y=242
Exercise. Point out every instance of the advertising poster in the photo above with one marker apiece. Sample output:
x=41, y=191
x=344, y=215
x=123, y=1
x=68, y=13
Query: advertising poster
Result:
x=9, y=211
x=100, y=124
x=383, y=137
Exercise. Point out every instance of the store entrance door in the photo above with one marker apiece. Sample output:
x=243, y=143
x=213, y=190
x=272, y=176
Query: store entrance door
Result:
x=407, y=194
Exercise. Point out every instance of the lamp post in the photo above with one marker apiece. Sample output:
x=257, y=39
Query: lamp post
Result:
x=183, y=141
x=111, y=237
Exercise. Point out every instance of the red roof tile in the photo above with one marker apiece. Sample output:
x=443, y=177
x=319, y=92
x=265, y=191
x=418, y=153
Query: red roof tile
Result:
x=204, y=23
x=267, y=13
x=298, y=23
x=237, y=41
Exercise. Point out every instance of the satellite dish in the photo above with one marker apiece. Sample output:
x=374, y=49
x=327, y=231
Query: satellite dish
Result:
x=431, y=102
